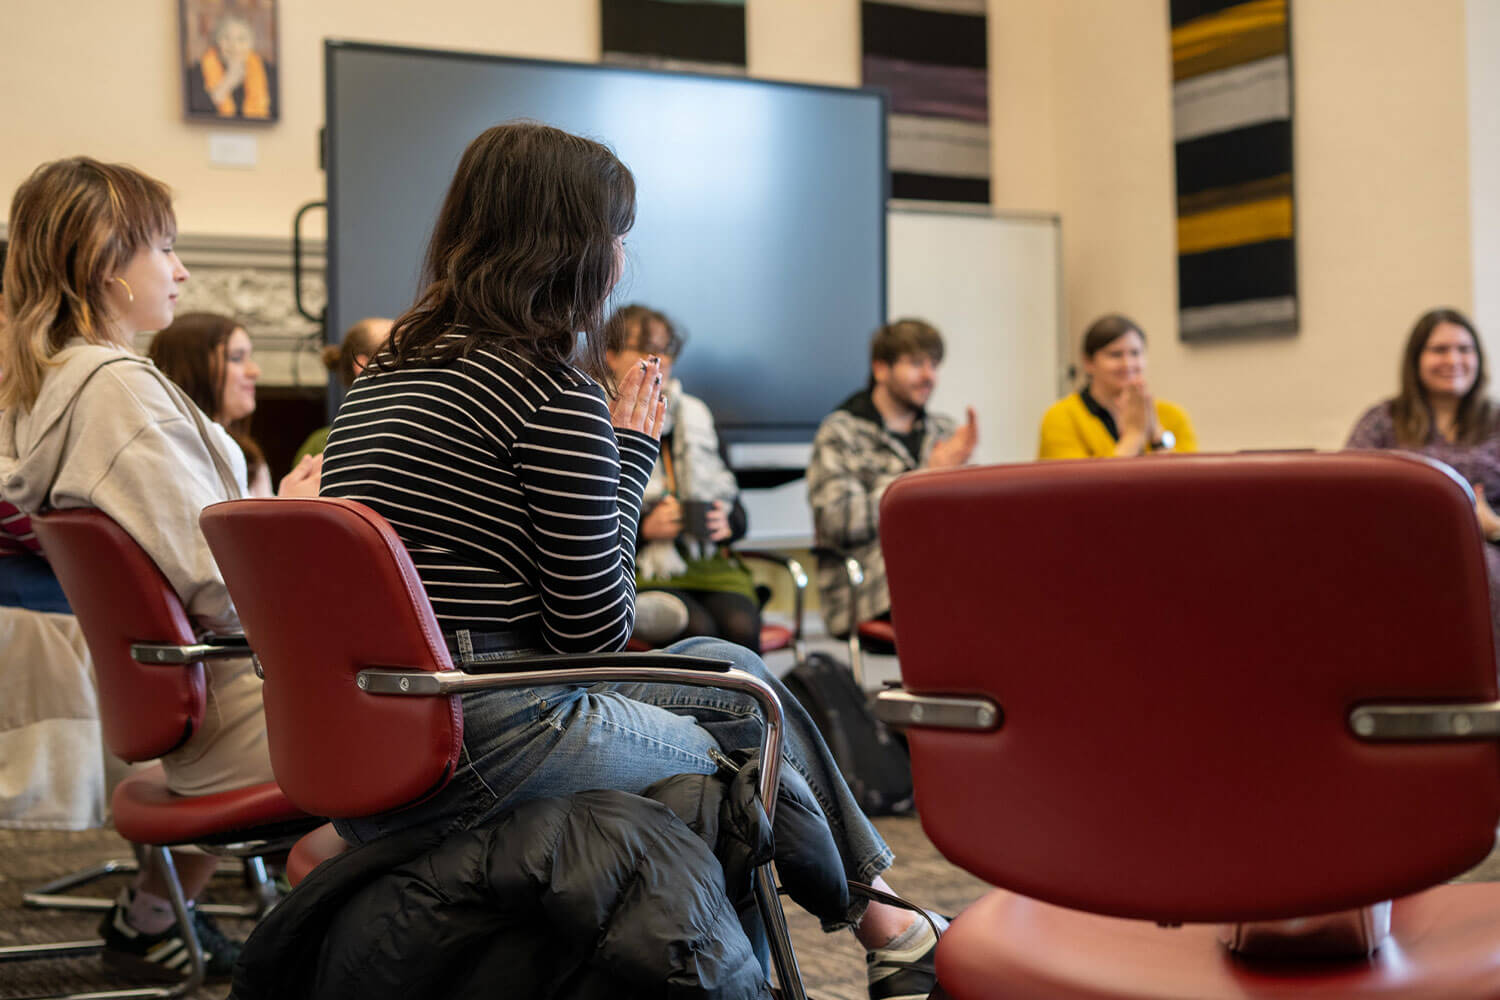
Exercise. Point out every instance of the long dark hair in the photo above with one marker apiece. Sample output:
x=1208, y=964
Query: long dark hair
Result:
x=191, y=352
x=523, y=252
x=1411, y=411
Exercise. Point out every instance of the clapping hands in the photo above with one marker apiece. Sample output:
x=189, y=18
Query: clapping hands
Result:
x=958, y=447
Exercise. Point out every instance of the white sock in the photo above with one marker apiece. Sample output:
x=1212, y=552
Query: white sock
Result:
x=913, y=942
x=147, y=913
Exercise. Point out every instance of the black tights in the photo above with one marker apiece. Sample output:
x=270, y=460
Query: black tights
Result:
x=725, y=615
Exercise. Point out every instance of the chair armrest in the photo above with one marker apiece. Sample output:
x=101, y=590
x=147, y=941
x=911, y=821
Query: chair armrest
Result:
x=527, y=663
x=852, y=567
x=854, y=572
x=218, y=647
x=799, y=577
x=902, y=710
x=644, y=668
x=790, y=564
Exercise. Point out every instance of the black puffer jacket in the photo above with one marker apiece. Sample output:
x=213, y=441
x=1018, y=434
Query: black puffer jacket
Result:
x=601, y=894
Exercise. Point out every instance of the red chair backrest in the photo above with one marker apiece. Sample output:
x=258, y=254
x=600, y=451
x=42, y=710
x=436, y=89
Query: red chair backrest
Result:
x=119, y=598
x=325, y=589
x=1176, y=644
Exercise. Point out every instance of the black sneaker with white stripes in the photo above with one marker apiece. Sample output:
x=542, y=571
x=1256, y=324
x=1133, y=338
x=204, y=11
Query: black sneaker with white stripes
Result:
x=167, y=952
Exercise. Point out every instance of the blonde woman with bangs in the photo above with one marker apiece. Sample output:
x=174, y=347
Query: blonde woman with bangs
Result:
x=87, y=422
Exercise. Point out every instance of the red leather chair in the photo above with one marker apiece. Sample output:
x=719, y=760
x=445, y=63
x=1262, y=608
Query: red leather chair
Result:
x=1210, y=690
x=361, y=696
x=152, y=692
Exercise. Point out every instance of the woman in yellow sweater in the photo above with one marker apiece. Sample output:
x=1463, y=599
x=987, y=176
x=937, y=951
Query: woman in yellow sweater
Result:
x=1114, y=413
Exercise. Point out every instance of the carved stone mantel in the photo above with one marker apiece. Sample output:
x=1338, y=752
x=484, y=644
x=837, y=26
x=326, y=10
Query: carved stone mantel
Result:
x=250, y=278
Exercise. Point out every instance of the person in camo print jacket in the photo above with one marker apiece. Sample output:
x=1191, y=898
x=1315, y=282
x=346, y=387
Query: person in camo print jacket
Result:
x=875, y=435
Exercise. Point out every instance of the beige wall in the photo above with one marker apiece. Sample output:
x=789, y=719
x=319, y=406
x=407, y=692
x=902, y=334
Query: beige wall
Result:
x=102, y=77
x=1484, y=167
x=1081, y=97
x=1382, y=195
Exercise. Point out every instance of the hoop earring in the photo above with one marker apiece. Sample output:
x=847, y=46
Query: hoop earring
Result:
x=127, y=288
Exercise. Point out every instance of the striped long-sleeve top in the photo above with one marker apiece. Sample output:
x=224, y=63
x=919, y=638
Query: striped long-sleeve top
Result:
x=516, y=497
x=16, y=535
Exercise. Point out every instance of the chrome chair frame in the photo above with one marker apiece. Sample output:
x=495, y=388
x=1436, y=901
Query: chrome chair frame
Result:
x=50, y=896
x=799, y=577
x=652, y=668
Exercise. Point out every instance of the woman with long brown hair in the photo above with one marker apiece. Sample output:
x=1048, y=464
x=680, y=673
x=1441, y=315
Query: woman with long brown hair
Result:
x=1444, y=411
x=210, y=356
x=482, y=433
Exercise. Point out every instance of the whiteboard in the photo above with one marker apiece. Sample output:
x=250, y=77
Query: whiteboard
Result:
x=993, y=286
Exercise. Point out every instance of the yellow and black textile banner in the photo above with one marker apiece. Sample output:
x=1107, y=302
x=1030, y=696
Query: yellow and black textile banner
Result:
x=702, y=35
x=1232, y=125
x=932, y=56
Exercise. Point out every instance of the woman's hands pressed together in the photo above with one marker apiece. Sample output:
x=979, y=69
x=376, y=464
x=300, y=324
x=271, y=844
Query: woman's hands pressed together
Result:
x=639, y=404
x=1136, y=414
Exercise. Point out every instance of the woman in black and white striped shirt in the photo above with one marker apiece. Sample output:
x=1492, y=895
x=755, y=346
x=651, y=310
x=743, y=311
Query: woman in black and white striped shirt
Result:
x=480, y=433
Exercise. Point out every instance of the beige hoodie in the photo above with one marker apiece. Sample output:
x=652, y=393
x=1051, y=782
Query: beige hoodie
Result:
x=110, y=431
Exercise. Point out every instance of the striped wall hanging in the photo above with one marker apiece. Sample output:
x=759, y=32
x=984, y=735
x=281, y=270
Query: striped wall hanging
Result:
x=1232, y=125
x=702, y=35
x=933, y=57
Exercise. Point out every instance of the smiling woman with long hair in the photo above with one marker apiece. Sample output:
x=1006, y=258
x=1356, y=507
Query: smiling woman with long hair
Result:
x=210, y=356
x=1443, y=411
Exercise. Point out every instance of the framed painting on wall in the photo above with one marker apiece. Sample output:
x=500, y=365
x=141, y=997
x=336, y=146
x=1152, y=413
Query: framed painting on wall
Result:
x=229, y=60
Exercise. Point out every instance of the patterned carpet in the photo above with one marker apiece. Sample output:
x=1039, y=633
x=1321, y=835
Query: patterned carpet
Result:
x=832, y=964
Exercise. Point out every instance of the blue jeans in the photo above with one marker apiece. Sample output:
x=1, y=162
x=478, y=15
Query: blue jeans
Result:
x=532, y=743
x=26, y=581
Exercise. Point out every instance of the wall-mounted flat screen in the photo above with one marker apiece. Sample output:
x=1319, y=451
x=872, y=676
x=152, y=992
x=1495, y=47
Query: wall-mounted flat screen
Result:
x=760, y=217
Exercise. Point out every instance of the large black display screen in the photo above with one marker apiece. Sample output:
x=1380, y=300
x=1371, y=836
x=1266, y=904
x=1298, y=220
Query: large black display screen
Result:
x=760, y=218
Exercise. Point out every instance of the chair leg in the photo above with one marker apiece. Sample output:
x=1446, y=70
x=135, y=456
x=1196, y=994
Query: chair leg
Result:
x=783, y=958
x=56, y=949
x=257, y=879
x=51, y=895
x=198, y=969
